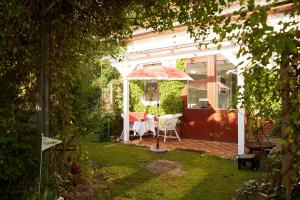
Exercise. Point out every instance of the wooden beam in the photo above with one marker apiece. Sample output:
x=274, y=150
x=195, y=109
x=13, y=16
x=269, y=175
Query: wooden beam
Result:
x=43, y=100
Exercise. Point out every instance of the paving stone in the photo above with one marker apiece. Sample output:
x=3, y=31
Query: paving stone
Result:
x=220, y=149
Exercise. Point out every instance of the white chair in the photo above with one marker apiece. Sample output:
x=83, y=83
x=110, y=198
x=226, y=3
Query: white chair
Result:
x=167, y=124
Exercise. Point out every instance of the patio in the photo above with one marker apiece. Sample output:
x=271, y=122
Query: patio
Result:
x=220, y=149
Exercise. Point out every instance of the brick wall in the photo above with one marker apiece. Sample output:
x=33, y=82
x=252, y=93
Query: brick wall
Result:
x=268, y=127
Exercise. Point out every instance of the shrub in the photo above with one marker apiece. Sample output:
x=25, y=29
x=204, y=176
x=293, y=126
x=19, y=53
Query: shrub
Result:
x=105, y=124
x=253, y=186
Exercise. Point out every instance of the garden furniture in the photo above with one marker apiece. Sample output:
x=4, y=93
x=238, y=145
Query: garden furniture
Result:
x=140, y=124
x=142, y=127
x=167, y=73
x=243, y=159
x=167, y=124
x=259, y=143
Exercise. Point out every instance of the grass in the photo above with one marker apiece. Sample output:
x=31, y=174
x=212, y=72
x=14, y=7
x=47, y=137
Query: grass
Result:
x=123, y=173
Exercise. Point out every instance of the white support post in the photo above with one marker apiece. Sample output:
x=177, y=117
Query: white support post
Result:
x=241, y=114
x=125, y=69
x=240, y=82
x=126, y=111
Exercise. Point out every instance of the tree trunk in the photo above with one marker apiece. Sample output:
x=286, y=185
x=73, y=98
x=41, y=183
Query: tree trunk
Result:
x=285, y=115
x=43, y=98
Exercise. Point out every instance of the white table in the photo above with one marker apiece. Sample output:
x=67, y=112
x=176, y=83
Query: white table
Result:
x=142, y=127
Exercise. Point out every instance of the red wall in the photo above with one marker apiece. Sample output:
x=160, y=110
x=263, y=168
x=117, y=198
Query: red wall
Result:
x=209, y=124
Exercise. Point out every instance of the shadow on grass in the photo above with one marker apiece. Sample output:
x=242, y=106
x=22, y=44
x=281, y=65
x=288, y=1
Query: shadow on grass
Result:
x=205, y=190
x=223, y=183
x=120, y=188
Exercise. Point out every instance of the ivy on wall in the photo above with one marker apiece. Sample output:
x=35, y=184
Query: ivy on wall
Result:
x=170, y=95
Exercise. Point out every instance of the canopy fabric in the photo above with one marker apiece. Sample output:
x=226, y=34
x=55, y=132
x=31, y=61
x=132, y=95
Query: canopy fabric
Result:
x=158, y=73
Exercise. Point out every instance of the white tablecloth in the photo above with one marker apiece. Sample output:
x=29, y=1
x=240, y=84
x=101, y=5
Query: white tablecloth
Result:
x=143, y=127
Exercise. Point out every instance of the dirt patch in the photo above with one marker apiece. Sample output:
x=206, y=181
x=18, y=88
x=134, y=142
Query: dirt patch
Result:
x=85, y=190
x=165, y=167
x=83, y=187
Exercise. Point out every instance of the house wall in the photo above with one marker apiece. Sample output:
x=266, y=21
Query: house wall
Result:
x=209, y=123
x=147, y=46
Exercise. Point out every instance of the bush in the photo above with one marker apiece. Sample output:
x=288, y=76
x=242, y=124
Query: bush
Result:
x=18, y=158
x=276, y=132
x=254, y=186
x=105, y=124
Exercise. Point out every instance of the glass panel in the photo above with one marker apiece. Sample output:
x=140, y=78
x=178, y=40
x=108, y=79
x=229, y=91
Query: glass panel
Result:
x=151, y=91
x=226, y=83
x=197, y=89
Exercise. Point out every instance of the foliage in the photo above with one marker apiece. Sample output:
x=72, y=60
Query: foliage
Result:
x=63, y=36
x=74, y=99
x=170, y=95
x=18, y=161
x=276, y=130
x=254, y=186
x=261, y=97
x=269, y=184
x=108, y=75
x=136, y=92
x=104, y=121
x=105, y=124
x=267, y=187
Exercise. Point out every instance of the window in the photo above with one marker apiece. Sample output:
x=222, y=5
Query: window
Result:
x=197, y=89
x=151, y=93
x=226, y=83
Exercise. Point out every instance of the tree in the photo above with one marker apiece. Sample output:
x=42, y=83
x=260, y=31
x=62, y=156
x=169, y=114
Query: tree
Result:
x=260, y=98
x=51, y=48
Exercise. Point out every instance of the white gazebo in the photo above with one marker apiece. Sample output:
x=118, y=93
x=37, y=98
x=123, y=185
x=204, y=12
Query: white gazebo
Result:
x=148, y=47
x=165, y=48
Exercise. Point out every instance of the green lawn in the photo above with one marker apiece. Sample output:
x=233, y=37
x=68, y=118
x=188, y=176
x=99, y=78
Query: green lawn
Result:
x=124, y=175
